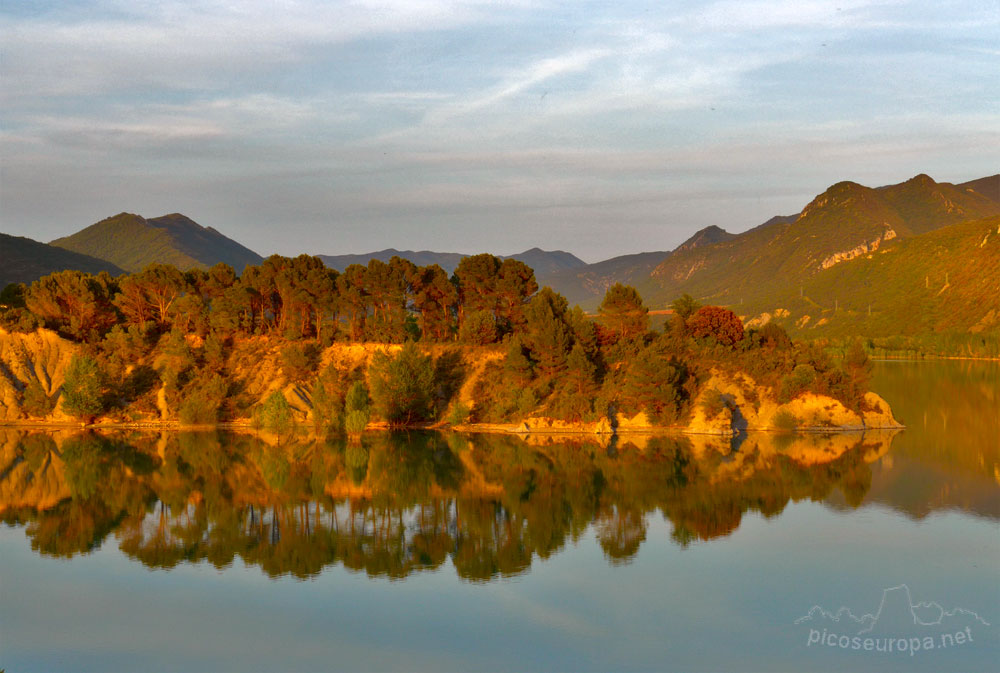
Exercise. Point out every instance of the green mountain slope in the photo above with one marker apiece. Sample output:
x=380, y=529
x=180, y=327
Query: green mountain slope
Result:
x=25, y=260
x=131, y=242
x=947, y=280
x=845, y=222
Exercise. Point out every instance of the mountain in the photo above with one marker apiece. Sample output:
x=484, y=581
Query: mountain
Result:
x=25, y=260
x=988, y=187
x=131, y=242
x=847, y=221
x=542, y=261
x=586, y=285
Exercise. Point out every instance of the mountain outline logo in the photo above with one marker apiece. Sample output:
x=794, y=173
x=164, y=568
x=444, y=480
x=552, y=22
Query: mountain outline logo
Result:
x=923, y=613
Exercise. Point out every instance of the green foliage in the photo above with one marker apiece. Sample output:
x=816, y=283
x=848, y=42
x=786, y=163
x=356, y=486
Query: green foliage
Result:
x=203, y=400
x=355, y=421
x=275, y=413
x=712, y=403
x=685, y=306
x=298, y=361
x=479, y=328
x=357, y=397
x=35, y=402
x=459, y=414
x=797, y=382
x=83, y=388
x=356, y=408
x=402, y=386
x=622, y=312
x=785, y=420
x=654, y=383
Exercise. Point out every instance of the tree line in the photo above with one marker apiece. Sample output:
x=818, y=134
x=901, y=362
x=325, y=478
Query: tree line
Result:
x=557, y=361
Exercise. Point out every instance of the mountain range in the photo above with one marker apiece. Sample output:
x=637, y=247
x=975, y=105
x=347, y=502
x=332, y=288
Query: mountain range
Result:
x=131, y=242
x=914, y=256
x=542, y=261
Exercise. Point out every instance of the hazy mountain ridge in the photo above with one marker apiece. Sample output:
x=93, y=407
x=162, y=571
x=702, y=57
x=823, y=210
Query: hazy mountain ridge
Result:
x=542, y=261
x=26, y=260
x=131, y=242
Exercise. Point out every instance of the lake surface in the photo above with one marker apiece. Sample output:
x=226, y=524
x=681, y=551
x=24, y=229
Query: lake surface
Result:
x=421, y=551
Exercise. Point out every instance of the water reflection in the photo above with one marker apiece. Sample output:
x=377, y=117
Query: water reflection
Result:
x=400, y=503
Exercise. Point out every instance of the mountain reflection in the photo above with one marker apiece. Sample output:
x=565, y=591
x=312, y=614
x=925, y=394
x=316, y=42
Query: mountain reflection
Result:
x=398, y=503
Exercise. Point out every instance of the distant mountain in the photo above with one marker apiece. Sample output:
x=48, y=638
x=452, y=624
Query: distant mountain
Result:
x=988, y=187
x=131, y=242
x=25, y=260
x=846, y=221
x=542, y=261
x=586, y=285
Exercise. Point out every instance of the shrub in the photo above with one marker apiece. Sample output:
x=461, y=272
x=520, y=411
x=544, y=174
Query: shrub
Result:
x=275, y=413
x=785, y=420
x=402, y=386
x=459, y=414
x=83, y=388
x=355, y=421
x=797, y=382
x=202, y=401
x=298, y=361
x=35, y=402
x=712, y=403
x=717, y=322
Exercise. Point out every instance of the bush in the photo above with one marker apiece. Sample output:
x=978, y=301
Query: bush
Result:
x=83, y=389
x=717, y=322
x=459, y=414
x=785, y=420
x=275, y=413
x=298, y=361
x=202, y=401
x=712, y=403
x=35, y=402
x=355, y=421
x=797, y=382
x=402, y=386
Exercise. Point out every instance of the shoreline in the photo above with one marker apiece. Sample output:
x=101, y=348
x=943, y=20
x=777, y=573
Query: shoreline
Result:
x=476, y=428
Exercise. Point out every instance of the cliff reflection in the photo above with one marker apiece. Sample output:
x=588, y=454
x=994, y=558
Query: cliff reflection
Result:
x=403, y=502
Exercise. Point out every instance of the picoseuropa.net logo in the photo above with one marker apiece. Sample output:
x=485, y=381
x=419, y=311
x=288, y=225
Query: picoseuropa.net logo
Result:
x=898, y=627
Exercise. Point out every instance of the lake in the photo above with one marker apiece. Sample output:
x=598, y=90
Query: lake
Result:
x=421, y=551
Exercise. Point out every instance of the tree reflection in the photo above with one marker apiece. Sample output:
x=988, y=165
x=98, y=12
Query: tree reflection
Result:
x=399, y=503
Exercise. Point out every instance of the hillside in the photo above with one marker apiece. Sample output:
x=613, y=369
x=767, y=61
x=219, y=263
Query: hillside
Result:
x=131, y=242
x=988, y=187
x=542, y=261
x=587, y=284
x=947, y=280
x=25, y=260
x=845, y=222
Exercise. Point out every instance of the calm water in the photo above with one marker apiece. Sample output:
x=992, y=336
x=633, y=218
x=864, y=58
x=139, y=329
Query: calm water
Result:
x=213, y=551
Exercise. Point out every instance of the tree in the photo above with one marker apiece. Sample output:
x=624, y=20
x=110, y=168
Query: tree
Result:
x=684, y=306
x=435, y=297
x=717, y=322
x=546, y=335
x=83, y=388
x=75, y=303
x=402, y=386
x=623, y=313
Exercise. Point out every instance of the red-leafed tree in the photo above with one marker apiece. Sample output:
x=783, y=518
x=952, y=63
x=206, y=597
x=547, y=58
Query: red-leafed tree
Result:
x=717, y=322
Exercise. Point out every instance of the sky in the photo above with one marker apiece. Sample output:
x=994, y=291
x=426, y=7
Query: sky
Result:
x=601, y=128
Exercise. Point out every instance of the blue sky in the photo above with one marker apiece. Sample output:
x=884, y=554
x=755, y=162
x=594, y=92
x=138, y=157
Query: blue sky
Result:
x=596, y=127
